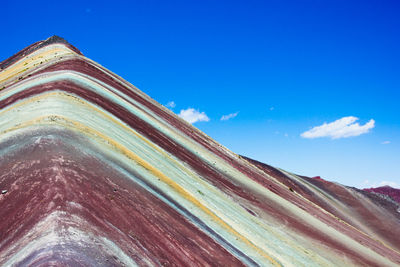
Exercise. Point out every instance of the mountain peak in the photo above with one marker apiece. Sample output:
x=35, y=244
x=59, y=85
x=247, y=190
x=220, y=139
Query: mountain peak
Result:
x=96, y=173
x=36, y=46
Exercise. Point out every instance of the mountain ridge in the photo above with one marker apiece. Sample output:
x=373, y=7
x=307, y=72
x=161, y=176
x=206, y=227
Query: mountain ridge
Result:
x=98, y=173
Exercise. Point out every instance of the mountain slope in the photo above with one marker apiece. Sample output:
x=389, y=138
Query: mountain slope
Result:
x=99, y=174
x=393, y=193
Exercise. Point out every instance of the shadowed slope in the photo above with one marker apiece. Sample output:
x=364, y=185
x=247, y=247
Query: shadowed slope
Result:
x=362, y=210
x=393, y=193
x=99, y=174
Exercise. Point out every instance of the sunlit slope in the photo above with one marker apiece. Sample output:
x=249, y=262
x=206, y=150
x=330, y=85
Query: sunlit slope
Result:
x=99, y=174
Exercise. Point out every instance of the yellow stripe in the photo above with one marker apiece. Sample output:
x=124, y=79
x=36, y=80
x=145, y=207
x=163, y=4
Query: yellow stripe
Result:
x=63, y=121
x=28, y=62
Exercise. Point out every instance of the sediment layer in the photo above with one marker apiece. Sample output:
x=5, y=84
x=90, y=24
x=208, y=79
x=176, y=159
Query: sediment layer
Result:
x=99, y=174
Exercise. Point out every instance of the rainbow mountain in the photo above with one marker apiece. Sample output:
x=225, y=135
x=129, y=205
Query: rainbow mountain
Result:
x=96, y=173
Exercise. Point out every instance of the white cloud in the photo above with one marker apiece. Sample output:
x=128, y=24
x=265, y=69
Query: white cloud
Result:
x=191, y=115
x=170, y=104
x=385, y=142
x=341, y=128
x=368, y=184
x=229, y=116
x=389, y=183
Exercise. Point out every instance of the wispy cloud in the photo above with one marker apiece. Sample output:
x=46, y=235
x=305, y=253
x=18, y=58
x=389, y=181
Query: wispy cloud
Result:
x=385, y=142
x=271, y=108
x=341, y=128
x=170, y=104
x=229, y=116
x=191, y=115
x=390, y=183
x=367, y=183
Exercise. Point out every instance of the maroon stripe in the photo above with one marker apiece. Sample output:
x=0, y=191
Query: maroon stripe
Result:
x=50, y=172
x=141, y=126
x=216, y=178
x=35, y=46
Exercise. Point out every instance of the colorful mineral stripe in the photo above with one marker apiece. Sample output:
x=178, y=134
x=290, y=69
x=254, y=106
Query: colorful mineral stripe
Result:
x=96, y=173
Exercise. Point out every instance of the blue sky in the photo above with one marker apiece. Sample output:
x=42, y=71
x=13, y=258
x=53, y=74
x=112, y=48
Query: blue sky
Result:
x=283, y=66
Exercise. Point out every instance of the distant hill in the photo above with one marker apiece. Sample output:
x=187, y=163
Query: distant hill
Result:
x=393, y=193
